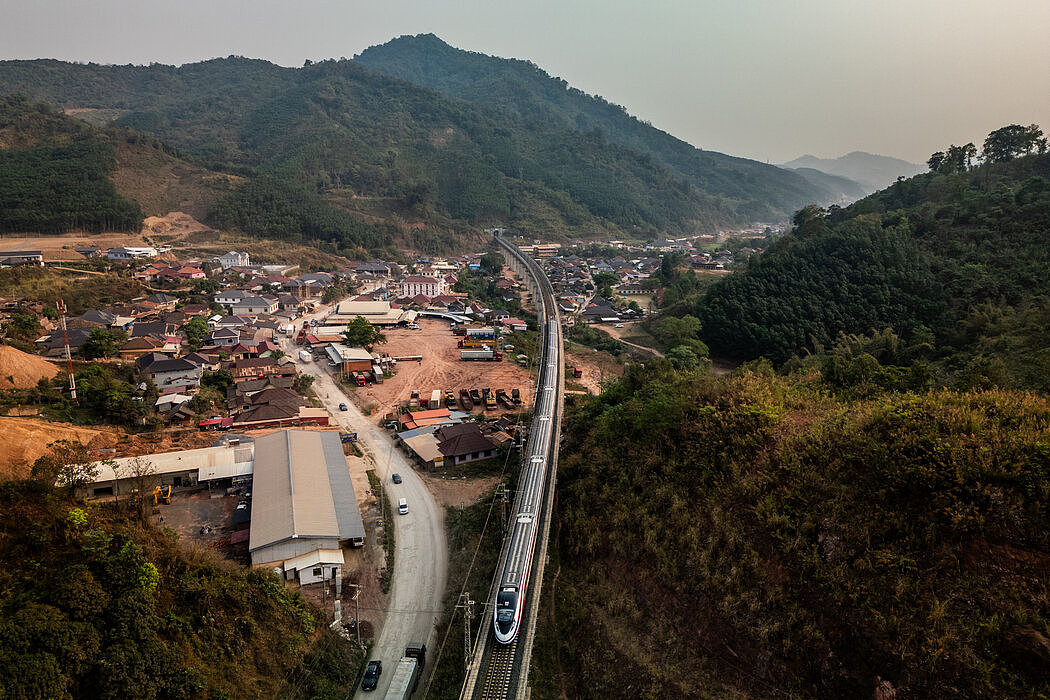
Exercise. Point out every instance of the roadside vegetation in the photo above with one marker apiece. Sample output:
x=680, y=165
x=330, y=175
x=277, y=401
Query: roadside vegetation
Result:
x=96, y=603
x=388, y=529
x=809, y=541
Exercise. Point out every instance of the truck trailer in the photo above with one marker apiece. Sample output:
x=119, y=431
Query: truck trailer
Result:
x=435, y=399
x=407, y=673
x=484, y=353
x=305, y=356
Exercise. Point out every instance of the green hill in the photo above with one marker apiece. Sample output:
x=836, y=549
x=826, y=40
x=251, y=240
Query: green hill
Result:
x=354, y=135
x=955, y=263
x=54, y=174
x=521, y=91
x=95, y=604
x=752, y=537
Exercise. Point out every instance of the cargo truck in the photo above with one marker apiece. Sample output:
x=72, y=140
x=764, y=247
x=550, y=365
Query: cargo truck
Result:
x=484, y=353
x=475, y=396
x=435, y=399
x=407, y=673
x=413, y=400
x=465, y=400
x=305, y=356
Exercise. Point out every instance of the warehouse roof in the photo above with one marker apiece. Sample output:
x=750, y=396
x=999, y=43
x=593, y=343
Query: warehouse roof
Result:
x=302, y=489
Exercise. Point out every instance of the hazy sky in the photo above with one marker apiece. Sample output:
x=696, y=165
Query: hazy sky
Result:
x=764, y=79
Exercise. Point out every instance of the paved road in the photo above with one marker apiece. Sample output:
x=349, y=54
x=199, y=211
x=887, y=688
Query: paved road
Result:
x=421, y=552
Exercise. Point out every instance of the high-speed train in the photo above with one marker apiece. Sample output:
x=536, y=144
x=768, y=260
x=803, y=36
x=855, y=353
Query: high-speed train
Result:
x=509, y=606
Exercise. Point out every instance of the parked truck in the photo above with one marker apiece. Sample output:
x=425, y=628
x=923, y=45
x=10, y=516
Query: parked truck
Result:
x=305, y=356
x=450, y=399
x=490, y=399
x=475, y=396
x=465, y=401
x=413, y=400
x=407, y=673
x=435, y=399
x=483, y=353
x=577, y=372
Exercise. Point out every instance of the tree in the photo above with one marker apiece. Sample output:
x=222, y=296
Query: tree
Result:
x=683, y=358
x=220, y=380
x=196, y=329
x=302, y=382
x=102, y=343
x=68, y=464
x=491, y=263
x=809, y=220
x=360, y=333
x=22, y=324
x=957, y=159
x=1013, y=141
x=144, y=473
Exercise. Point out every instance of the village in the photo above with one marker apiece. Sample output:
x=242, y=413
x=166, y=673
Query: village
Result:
x=249, y=378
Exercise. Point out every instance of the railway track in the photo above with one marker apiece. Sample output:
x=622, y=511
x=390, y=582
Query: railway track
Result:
x=504, y=646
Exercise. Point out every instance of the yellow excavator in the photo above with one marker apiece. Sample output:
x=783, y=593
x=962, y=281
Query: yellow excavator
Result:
x=162, y=494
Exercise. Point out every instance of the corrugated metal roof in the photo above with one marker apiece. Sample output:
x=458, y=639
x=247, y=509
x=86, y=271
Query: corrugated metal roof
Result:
x=174, y=462
x=224, y=471
x=300, y=482
x=347, y=513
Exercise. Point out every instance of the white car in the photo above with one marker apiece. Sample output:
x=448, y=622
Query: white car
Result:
x=619, y=325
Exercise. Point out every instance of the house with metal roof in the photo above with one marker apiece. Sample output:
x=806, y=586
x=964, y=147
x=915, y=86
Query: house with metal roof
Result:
x=304, y=508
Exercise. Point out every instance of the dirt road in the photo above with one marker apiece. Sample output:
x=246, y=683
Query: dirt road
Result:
x=421, y=554
x=619, y=333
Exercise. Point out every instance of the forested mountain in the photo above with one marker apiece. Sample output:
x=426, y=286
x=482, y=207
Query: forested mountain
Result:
x=872, y=172
x=342, y=130
x=952, y=264
x=521, y=91
x=54, y=174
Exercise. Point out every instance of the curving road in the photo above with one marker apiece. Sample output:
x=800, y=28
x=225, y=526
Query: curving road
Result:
x=421, y=549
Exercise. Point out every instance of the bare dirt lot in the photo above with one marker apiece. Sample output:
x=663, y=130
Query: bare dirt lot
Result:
x=459, y=492
x=441, y=368
x=62, y=248
x=597, y=367
x=26, y=439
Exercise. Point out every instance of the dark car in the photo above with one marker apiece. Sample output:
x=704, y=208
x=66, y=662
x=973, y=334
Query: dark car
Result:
x=372, y=673
x=396, y=478
x=343, y=407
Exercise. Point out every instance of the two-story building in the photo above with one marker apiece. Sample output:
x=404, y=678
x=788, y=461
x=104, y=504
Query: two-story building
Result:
x=233, y=259
x=175, y=373
x=430, y=287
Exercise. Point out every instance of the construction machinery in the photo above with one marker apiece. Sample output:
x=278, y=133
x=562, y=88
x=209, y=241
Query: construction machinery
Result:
x=162, y=494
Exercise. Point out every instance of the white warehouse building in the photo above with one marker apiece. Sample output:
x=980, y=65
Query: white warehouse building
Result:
x=303, y=505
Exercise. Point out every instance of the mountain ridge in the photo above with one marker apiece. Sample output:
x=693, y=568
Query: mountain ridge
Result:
x=522, y=89
x=339, y=127
x=870, y=170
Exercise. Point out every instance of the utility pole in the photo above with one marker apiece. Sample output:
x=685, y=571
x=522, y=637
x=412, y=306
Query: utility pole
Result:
x=468, y=614
x=69, y=355
x=357, y=610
